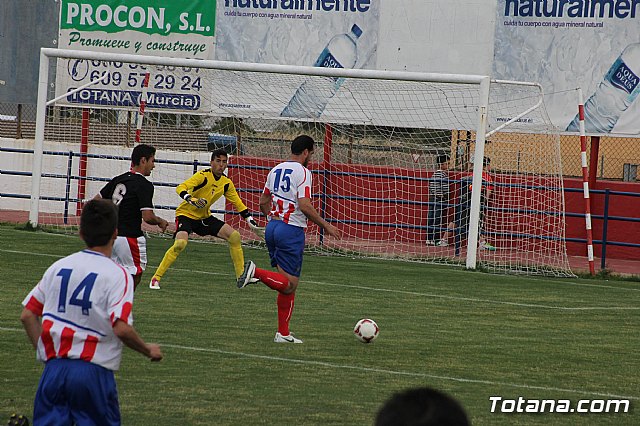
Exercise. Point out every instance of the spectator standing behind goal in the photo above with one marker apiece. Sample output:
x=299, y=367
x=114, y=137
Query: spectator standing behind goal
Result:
x=199, y=192
x=463, y=209
x=286, y=201
x=133, y=194
x=438, y=200
x=421, y=407
x=85, y=304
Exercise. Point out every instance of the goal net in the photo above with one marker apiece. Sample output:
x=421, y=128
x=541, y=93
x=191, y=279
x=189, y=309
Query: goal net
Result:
x=379, y=138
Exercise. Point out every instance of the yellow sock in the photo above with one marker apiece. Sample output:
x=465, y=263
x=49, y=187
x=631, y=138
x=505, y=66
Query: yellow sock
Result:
x=235, y=249
x=169, y=257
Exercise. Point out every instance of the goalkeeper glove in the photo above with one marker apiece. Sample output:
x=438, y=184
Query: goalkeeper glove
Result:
x=196, y=202
x=251, y=221
x=259, y=231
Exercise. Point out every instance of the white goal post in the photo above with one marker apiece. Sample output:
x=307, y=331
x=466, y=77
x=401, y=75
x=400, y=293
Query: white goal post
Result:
x=381, y=132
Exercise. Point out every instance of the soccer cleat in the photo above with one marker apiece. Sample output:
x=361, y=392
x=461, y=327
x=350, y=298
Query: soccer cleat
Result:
x=286, y=339
x=154, y=284
x=442, y=243
x=487, y=246
x=430, y=243
x=16, y=420
x=247, y=275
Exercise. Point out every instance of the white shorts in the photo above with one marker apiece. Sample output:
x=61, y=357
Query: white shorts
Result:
x=131, y=254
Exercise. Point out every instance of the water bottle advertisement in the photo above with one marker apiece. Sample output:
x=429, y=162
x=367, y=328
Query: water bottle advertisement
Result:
x=565, y=45
x=332, y=34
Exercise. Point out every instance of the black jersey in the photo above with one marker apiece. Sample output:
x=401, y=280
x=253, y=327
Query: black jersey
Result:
x=132, y=193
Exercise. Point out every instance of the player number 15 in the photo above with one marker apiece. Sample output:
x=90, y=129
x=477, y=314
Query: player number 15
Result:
x=286, y=179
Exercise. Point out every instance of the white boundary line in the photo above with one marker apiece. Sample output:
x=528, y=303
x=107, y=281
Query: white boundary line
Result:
x=395, y=372
x=441, y=267
x=433, y=265
x=414, y=293
x=331, y=365
x=10, y=329
x=472, y=299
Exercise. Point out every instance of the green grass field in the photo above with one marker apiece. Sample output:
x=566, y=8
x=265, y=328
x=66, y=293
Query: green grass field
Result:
x=470, y=334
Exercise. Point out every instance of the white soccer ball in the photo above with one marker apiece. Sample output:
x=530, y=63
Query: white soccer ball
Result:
x=366, y=330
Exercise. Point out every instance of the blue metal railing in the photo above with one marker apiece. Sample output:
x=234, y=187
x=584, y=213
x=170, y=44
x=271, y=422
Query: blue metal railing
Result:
x=69, y=177
x=605, y=217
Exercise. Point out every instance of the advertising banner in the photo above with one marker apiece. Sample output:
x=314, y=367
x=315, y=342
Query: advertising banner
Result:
x=321, y=33
x=563, y=45
x=172, y=28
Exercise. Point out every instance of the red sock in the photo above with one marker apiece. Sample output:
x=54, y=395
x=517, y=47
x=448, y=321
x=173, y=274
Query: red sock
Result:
x=272, y=279
x=285, y=309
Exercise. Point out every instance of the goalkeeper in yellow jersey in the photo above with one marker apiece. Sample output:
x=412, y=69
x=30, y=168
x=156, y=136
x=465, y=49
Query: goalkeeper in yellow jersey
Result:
x=199, y=192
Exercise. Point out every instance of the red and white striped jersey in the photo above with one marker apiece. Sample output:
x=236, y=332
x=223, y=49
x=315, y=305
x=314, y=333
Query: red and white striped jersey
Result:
x=79, y=299
x=286, y=183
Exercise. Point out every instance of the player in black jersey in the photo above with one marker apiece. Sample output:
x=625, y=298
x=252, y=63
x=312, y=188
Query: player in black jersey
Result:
x=133, y=194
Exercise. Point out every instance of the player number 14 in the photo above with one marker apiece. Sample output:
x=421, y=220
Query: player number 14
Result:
x=81, y=296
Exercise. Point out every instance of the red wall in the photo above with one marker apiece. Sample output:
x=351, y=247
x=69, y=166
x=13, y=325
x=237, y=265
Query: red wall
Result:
x=619, y=205
x=250, y=173
x=380, y=183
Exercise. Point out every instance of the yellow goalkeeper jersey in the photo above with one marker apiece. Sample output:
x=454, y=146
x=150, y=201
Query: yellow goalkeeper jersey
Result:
x=205, y=185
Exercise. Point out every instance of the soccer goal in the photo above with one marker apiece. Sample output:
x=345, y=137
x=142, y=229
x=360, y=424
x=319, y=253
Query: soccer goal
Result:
x=379, y=137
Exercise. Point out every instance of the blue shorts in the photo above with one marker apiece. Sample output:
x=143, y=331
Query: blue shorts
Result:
x=72, y=391
x=286, y=245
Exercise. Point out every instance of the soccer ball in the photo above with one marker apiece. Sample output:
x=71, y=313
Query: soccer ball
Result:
x=366, y=330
